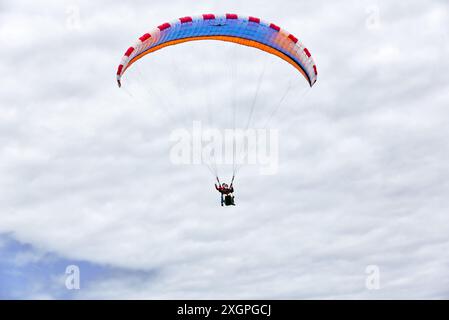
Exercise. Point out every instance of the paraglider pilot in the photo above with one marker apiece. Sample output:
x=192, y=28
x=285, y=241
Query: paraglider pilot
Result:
x=226, y=192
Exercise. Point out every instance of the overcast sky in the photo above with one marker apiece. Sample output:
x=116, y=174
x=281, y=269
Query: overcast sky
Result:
x=86, y=178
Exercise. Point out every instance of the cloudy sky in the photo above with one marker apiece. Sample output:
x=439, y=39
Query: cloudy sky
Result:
x=86, y=178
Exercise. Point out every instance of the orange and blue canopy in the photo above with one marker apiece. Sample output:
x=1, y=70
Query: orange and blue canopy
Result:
x=248, y=31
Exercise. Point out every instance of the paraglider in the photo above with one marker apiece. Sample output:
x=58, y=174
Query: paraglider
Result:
x=227, y=192
x=241, y=30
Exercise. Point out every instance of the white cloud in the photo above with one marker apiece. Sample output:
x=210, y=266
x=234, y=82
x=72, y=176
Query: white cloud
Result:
x=363, y=171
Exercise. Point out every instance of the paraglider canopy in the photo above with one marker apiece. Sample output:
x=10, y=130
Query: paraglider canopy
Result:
x=247, y=31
